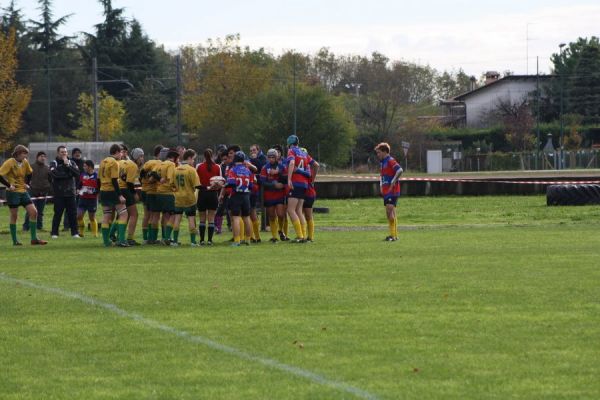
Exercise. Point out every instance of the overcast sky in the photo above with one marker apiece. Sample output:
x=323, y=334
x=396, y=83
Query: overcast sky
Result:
x=473, y=35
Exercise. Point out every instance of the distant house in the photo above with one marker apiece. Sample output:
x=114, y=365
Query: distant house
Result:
x=470, y=109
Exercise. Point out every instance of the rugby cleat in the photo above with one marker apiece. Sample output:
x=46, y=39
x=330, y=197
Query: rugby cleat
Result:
x=209, y=243
x=273, y=240
x=36, y=242
x=122, y=244
x=132, y=242
x=18, y=244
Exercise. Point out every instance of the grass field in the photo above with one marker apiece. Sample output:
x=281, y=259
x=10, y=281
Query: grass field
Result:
x=482, y=297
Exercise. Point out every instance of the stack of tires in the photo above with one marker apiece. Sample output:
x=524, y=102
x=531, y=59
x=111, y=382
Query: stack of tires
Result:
x=572, y=195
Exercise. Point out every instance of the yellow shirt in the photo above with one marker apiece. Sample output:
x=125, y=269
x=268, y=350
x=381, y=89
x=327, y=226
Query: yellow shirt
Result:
x=128, y=173
x=109, y=170
x=148, y=184
x=15, y=173
x=167, y=173
x=186, y=179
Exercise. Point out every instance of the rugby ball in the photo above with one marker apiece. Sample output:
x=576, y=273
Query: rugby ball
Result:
x=217, y=182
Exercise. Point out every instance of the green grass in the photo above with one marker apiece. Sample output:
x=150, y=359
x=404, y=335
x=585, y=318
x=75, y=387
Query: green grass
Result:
x=490, y=297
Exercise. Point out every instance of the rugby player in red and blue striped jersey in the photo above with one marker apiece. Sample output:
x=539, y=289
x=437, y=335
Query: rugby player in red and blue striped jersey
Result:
x=271, y=177
x=301, y=167
x=239, y=184
x=390, y=186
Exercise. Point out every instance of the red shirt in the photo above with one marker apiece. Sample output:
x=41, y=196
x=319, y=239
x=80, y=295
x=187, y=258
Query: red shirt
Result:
x=302, y=163
x=273, y=173
x=204, y=173
x=89, y=185
x=389, y=167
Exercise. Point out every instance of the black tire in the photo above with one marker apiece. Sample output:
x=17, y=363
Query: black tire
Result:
x=572, y=195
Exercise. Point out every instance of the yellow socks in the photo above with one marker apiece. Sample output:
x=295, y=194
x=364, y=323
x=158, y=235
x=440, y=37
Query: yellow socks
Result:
x=392, y=227
x=80, y=225
x=298, y=229
x=242, y=231
x=94, y=226
x=274, y=227
x=256, y=229
x=310, y=224
x=283, y=225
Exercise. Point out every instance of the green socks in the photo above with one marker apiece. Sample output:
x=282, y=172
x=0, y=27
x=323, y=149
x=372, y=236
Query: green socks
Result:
x=33, y=229
x=121, y=227
x=13, y=233
x=106, y=236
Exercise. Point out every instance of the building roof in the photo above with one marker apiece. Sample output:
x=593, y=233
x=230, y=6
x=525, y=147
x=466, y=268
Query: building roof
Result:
x=533, y=78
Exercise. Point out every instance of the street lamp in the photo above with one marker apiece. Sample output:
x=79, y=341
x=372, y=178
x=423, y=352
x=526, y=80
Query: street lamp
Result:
x=562, y=89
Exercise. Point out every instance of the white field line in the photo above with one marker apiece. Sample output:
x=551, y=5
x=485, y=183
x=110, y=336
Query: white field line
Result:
x=290, y=369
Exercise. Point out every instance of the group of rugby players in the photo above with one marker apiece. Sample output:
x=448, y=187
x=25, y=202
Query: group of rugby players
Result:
x=173, y=185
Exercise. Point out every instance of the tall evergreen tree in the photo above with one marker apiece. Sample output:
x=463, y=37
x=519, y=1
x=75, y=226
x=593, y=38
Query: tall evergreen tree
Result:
x=577, y=80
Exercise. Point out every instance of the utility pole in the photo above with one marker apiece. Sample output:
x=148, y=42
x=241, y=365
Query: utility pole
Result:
x=562, y=88
x=537, y=112
x=49, y=108
x=95, y=95
x=178, y=97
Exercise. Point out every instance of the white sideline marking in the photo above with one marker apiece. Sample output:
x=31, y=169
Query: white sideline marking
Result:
x=316, y=378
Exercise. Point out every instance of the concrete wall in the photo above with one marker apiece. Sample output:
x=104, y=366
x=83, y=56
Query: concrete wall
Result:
x=352, y=189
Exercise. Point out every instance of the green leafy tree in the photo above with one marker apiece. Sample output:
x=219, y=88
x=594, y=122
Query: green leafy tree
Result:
x=323, y=124
x=218, y=80
x=13, y=98
x=111, y=117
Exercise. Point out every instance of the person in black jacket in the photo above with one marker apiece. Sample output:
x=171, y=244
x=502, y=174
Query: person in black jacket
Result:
x=64, y=175
x=76, y=157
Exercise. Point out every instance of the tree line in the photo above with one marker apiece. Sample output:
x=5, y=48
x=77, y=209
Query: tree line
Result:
x=341, y=105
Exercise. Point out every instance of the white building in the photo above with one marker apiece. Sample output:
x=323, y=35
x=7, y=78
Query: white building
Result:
x=472, y=108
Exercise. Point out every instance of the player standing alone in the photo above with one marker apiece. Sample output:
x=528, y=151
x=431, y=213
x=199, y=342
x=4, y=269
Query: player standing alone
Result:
x=390, y=186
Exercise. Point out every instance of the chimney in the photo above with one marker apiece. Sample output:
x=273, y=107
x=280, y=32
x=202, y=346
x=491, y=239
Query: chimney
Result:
x=491, y=76
x=473, y=81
